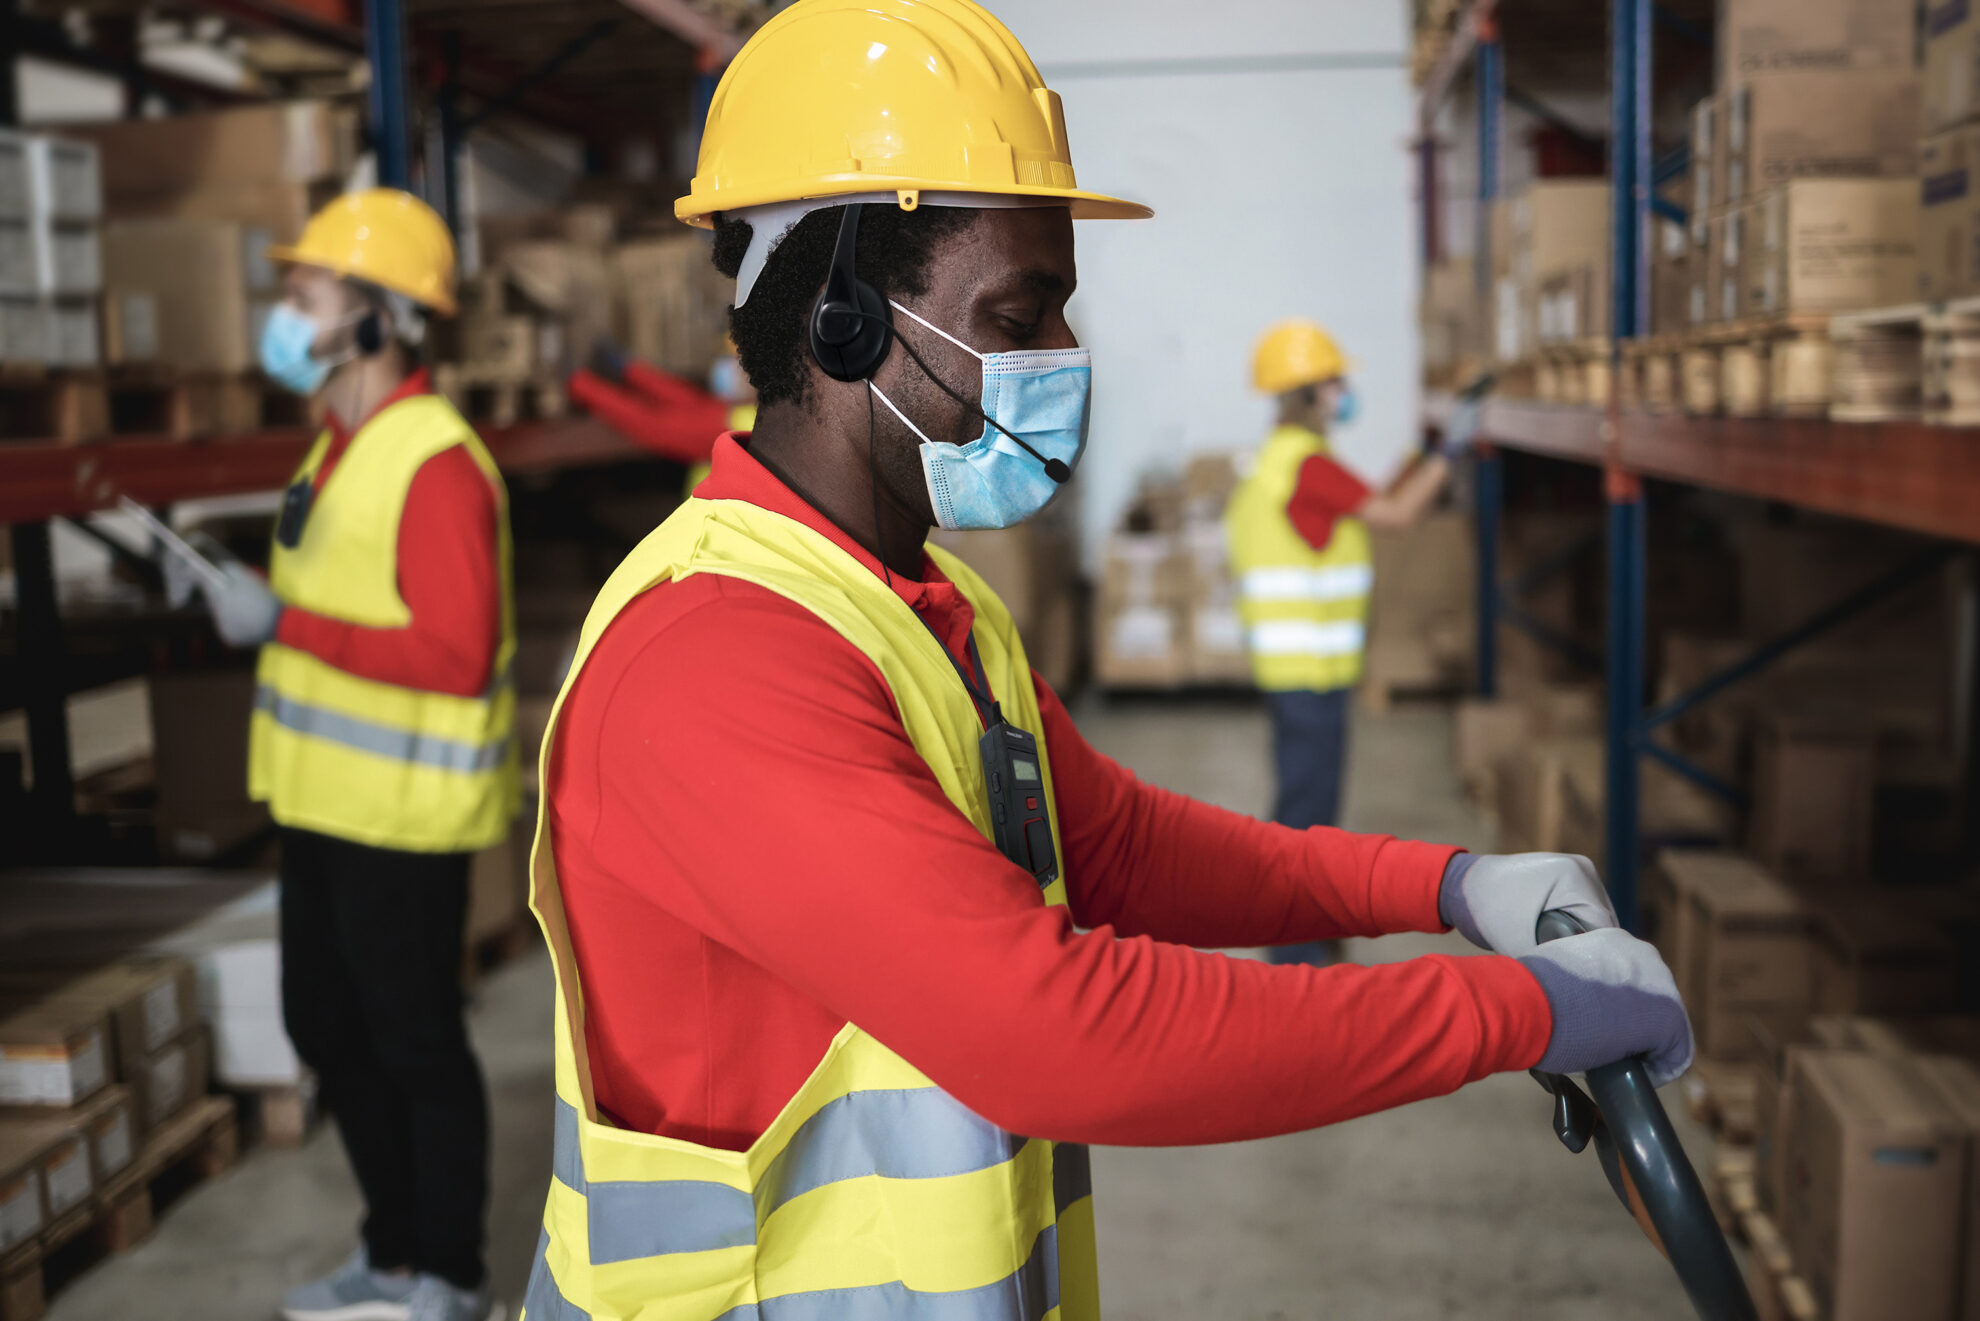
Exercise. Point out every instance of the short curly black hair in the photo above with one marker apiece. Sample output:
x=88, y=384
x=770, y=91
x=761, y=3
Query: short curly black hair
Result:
x=770, y=329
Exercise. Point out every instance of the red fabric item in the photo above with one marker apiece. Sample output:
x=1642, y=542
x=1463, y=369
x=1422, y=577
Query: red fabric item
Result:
x=672, y=417
x=752, y=854
x=1325, y=493
x=449, y=577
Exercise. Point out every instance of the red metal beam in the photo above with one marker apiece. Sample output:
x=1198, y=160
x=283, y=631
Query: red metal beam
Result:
x=1901, y=474
x=39, y=481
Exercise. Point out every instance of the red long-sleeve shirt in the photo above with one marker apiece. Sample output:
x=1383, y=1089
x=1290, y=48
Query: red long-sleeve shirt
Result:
x=1325, y=493
x=449, y=578
x=752, y=854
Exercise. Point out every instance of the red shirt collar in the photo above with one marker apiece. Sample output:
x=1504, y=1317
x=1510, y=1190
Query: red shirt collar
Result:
x=420, y=382
x=736, y=474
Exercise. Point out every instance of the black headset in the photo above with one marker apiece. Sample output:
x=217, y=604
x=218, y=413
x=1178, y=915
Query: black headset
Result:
x=852, y=327
x=370, y=334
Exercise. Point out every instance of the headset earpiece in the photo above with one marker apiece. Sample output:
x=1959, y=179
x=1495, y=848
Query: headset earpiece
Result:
x=851, y=325
x=370, y=335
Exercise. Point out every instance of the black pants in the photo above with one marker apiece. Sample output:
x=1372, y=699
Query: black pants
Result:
x=371, y=992
x=1309, y=750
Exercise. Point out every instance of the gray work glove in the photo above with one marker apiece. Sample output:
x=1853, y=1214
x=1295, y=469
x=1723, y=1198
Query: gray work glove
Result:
x=1496, y=900
x=1612, y=998
x=245, y=611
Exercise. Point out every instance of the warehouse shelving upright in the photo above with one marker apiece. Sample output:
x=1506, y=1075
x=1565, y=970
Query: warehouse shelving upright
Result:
x=1907, y=475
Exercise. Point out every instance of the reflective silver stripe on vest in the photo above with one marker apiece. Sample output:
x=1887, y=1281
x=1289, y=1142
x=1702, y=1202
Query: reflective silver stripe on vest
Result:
x=543, y=1301
x=1335, y=582
x=379, y=740
x=910, y=1133
x=1306, y=637
x=1026, y=1294
x=649, y=1218
x=1072, y=1174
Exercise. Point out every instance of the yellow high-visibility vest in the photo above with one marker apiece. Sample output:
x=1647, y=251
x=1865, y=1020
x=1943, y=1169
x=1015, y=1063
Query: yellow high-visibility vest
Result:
x=874, y=1193
x=1305, y=611
x=347, y=756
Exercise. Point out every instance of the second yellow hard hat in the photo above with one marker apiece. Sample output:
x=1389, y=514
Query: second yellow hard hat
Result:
x=385, y=236
x=1295, y=353
x=839, y=97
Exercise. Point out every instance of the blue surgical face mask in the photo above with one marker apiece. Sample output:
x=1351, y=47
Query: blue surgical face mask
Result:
x=1038, y=394
x=286, y=338
x=1348, y=407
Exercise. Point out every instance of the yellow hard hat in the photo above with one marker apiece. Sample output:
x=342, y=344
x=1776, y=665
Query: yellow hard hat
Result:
x=837, y=97
x=1295, y=353
x=387, y=237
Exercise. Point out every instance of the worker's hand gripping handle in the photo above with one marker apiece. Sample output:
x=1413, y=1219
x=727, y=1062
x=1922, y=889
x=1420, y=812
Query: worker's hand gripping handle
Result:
x=1646, y=1165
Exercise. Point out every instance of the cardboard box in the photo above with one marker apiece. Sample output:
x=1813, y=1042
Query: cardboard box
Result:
x=285, y=142
x=1707, y=183
x=53, y=1053
x=148, y=1001
x=23, y=1208
x=1952, y=57
x=1958, y=1084
x=1484, y=733
x=1814, y=788
x=1140, y=646
x=62, y=1168
x=273, y=207
x=1876, y=1183
x=199, y=734
x=1794, y=36
x=1874, y=957
x=1560, y=263
x=1728, y=239
x=1742, y=945
x=187, y=293
x=170, y=1079
x=1551, y=795
x=1949, y=213
x=1818, y=125
x=669, y=305
x=1673, y=266
x=1832, y=245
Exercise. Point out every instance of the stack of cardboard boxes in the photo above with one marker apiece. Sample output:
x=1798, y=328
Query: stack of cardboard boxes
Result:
x=1804, y=171
x=51, y=261
x=1550, y=267
x=1949, y=155
x=1166, y=615
x=192, y=203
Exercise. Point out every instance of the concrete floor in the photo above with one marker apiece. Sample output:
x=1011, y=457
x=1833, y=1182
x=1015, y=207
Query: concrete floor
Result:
x=1459, y=1207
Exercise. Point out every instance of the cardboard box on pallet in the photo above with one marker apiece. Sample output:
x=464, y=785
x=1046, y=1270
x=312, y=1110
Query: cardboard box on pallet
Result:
x=1814, y=790
x=199, y=737
x=285, y=142
x=1952, y=59
x=23, y=1204
x=1949, y=213
x=1785, y=37
x=1739, y=942
x=53, y=1053
x=148, y=1001
x=1958, y=1084
x=63, y=1169
x=1817, y=125
x=1550, y=795
x=1876, y=1182
x=171, y=1078
x=1874, y=957
x=1138, y=626
x=190, y=294
x=1834, y=245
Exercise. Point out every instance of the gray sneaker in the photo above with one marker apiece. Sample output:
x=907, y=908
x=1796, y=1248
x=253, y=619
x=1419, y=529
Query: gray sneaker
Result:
x=352, y=1292
x=433, y=1299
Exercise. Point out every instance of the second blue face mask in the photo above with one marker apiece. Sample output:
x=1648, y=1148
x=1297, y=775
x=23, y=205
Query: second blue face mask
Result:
x=1039, y=394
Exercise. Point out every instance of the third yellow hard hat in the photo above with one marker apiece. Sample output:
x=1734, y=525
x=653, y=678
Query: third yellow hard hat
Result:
x=1295, y=353
x=839, y=97
x=384, y=236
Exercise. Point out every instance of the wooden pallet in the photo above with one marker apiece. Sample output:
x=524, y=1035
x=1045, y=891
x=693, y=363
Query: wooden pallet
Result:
x=1778, y=1293
x=1949, y=385
x=497, y=394
x=1773, y=366
x=283, y=1115
x=1576, y=372
x=1878, y=372
x=1653, y=374
x=1722, y=1096
x=43, y=404
x=162, y=401
x=197, y=1144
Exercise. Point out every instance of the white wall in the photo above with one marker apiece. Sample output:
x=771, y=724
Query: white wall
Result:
x=1271, y=137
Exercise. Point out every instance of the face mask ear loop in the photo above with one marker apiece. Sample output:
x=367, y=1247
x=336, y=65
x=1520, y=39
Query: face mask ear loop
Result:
x=872, y=389
x=938, y=330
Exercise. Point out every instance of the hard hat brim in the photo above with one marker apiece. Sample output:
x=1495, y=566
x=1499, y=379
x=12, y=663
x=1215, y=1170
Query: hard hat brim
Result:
x=699, y=209
x=295, y=256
